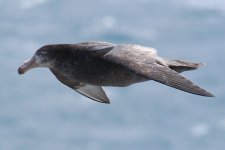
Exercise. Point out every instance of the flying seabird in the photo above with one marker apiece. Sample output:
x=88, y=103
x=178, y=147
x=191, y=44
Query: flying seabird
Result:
x=86, y=67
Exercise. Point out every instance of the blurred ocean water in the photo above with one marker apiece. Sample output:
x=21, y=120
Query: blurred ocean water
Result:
x=38, y=112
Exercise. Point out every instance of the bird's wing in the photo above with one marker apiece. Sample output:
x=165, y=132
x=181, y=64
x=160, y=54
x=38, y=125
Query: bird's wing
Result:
x=95, y=44
x=96, y=48
x=145, y=62
x=95, y=93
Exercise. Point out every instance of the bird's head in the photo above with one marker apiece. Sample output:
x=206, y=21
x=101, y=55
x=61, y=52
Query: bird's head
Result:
x=42, y=58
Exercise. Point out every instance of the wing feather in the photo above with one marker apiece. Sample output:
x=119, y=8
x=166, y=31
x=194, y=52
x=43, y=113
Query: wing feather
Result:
x=146, y=63
x=95, y=93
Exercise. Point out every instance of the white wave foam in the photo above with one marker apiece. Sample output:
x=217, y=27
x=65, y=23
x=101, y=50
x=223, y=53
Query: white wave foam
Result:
x=222, y=123
x=108, y=21
x=208, y=4
x=27, y=4
x=200, y=130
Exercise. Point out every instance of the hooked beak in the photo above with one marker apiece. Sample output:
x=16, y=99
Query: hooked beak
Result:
x=27, y=65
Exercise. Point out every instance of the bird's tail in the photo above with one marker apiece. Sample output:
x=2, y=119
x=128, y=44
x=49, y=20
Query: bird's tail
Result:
x=180, y=65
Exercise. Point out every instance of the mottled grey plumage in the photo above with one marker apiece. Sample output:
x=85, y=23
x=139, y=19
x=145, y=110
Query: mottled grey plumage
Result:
x=85, y=67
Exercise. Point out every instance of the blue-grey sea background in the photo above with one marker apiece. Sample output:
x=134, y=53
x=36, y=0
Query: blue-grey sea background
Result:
x=37, y=112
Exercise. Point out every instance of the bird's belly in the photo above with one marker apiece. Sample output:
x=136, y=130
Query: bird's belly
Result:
x=107, y=74
x=120, y=79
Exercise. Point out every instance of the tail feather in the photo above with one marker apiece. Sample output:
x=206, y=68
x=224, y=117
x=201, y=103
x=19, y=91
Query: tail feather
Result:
x=180, y=66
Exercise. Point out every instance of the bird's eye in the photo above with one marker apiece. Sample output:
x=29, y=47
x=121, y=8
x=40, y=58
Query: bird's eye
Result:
x=41, y=52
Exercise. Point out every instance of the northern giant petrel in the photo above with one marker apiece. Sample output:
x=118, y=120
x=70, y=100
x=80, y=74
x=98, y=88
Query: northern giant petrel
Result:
x=86, y=67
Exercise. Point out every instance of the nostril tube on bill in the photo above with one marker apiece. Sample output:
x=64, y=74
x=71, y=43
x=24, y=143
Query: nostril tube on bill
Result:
x=27, y=65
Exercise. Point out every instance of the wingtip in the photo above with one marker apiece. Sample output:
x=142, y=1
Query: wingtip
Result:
x=108, y=102
x=209, y=95
x=204, y=93
x=104, y=101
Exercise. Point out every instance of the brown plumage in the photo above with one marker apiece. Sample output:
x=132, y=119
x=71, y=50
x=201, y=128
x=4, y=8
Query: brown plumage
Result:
x=85, y=67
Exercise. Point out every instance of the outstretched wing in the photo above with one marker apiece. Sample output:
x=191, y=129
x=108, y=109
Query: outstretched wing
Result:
x=95, y=93
x=145, y=62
